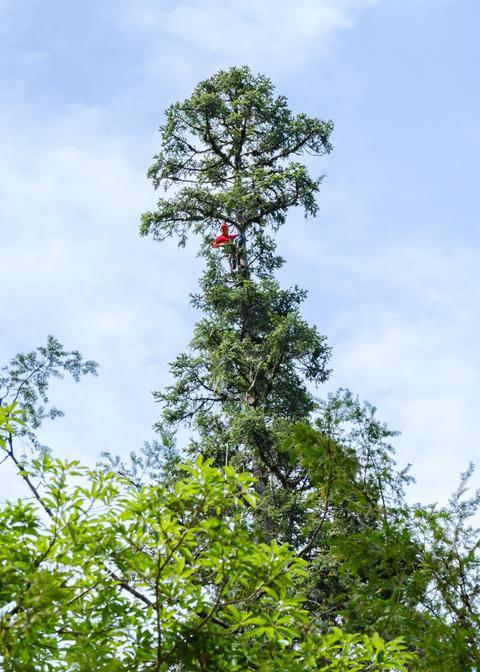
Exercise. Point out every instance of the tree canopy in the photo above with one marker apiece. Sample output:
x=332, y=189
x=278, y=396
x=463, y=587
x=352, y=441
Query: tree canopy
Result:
x=227, y=152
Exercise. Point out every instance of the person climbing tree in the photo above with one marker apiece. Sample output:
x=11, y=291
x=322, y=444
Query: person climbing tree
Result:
x=225, y=237
x=226, y=240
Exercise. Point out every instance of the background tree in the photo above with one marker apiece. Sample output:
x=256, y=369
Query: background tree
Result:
x=25, y=381
x=450, y=537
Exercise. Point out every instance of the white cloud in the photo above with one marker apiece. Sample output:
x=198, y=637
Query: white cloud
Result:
x=404, y=322
x=272, y=35
x=73, y=265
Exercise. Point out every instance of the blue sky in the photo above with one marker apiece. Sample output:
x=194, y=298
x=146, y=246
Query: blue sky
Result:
x=391, y=261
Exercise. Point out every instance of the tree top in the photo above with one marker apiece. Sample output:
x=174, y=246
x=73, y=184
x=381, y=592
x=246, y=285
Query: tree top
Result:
x=230, y=152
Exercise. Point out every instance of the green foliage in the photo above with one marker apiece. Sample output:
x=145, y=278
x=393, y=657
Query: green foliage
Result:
x=161, y=578
x=451, y=562
x=357, y=653
x=350, y=520
x=247, y=371
x=11, y=419
x=326, y=480
x=157, y=461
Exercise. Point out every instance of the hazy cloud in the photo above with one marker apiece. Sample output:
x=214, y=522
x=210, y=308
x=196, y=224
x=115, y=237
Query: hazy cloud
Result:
x=271, y=35
x=403, y=319
x=73, y=265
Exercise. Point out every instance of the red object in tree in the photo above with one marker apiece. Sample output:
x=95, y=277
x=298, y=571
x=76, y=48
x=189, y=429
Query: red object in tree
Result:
x=224, y=236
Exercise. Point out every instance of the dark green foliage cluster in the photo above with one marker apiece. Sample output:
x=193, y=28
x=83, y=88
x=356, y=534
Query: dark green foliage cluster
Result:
x=247, y=372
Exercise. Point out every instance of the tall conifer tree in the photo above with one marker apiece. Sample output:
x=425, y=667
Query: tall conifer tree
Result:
x=227, y=155
x=232, y=152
